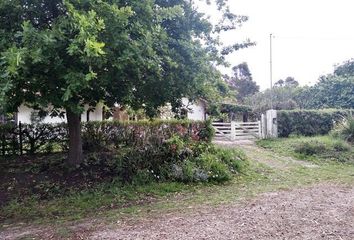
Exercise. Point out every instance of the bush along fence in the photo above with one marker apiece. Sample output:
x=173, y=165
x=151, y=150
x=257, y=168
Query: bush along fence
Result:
x=309, y=122
x=97, y=136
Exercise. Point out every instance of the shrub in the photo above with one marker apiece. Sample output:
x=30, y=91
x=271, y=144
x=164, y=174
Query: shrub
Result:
x=308, y=122
x=318, y=148
x=235, y=159
x=115, y=134
x=340, y=146
x=144, y=152
x=310, y=148
x=179, y=160
x=219, y=172
x=98, y=136
x=324, y=147
x=347, y=129
x=32, y=138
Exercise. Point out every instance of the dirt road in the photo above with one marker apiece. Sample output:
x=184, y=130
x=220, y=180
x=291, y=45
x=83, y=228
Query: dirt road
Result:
x=319, y=212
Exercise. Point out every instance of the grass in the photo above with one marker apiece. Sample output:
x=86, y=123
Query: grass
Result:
x=316, y=149
x=87, y=203
x=42, y=190
x=113, y=201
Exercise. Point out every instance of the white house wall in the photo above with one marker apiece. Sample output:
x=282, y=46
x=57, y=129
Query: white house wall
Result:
x=95, y=115
x=197, y=111
x=24, y=115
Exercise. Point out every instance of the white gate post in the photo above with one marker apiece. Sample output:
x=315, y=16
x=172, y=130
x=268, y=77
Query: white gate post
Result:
x=259, y=129
x=272, y=127
x=233, y=130
x=264, y=126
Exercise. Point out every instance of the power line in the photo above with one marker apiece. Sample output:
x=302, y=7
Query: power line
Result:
x=347, y=38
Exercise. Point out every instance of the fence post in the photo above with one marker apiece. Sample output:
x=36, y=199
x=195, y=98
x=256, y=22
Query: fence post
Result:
x=272, y=127
x=20, y=135
x=264, y=126
x=259, y=129
x=233, y=130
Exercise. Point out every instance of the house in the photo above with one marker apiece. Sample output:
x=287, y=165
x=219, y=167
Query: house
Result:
x=26, y=115
x=190, y=110
x=195, y=110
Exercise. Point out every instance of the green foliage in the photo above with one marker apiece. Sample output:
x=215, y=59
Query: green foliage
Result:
x=345, y=129
x=89, y=202
x=32, y=138
x=235, y=158
x=66, y=54
x=112, y=200
x=345, y=69
x=242, y=82
x=288, y=82
x=228, y=112
x=308, y=122
x=341, y=146
x=331, y=92
x=348, y=130
x=310, y=148
x=279, y=98
x=320, y=148
x=99, y=136
x=208, y=132
x=44, y=178
x=182, y=160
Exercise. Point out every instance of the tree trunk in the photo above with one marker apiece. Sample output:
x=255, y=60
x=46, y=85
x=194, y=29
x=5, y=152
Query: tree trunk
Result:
x=75, y=141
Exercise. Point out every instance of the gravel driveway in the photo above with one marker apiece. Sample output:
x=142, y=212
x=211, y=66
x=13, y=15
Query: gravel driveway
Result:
x=320, y=212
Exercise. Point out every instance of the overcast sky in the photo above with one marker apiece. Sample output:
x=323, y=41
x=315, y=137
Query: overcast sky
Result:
x=310, y=37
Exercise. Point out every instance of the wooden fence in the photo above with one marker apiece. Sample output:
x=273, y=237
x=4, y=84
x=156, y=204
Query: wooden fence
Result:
x=237, y=130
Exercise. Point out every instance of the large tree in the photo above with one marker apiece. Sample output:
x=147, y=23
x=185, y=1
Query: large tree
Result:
x=331, y=92
x=334, y=90
x=242, y=82
x=64, y=54
x=288, y=82
x=278, y=98
x=345, y=69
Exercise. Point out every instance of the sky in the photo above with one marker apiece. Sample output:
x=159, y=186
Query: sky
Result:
x=310, y=37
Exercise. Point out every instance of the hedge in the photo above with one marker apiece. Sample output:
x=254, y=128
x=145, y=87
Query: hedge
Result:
x=308, y=122
x=31, y=139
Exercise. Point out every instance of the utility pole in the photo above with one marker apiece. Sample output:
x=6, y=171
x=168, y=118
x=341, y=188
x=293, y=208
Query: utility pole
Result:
x=271, y=70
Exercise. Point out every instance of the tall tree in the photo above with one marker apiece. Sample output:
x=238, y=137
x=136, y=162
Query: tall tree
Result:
x=242, y=82
x=278, y=98
x=335, y=90
x=288, y=82
x=68, y=53
x=331, y=92
x=345, y=69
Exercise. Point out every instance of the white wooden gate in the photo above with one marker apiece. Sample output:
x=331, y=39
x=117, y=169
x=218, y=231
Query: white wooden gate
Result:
x=237, y=130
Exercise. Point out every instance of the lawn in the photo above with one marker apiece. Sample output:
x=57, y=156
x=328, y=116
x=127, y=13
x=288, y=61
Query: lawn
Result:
x=316, y=149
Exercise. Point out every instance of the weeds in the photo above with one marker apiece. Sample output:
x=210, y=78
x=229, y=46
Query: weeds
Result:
x=320, y=148
x=345, y=130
